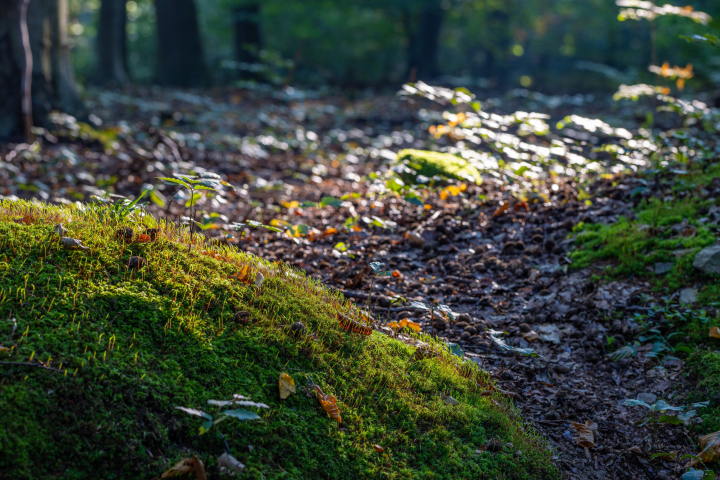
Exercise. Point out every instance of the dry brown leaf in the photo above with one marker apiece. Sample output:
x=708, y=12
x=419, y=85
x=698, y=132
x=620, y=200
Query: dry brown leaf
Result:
x=329, y=404
x=287, y=386
x=4, y=349
x=530, y=336
x=187, y=466
x=142, y=238
x=244, y=275
x=710, y=453
x=378, y=448
x=715, y=332
x=501, y=209
x=586, y=438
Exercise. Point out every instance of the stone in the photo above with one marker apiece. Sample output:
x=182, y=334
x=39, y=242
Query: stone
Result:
x=707, y=260
x=662, y=268
x=562, y=369
x=494, y=445
x=136, y=262
x=440, y=324
x=649, y=398
x=549, y=332
x=298, y=329
x=464, y=317
x=688, y=295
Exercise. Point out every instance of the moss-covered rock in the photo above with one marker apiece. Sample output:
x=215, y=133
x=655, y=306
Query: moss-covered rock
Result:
x=125, y=346
x=430, y=164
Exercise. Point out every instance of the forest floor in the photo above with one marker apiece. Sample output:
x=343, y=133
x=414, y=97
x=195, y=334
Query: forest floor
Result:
x=543, y=265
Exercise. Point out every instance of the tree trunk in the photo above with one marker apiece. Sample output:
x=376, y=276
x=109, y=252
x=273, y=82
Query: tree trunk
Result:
x=180, y=55
x=247, y=38
x=53, y=81
x=111, y=44
x=423, y=32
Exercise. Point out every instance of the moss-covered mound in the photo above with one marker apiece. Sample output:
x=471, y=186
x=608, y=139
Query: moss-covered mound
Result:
x=430, y=164
x=124, y=346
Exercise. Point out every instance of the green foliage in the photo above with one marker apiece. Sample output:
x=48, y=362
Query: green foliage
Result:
x=131, y=345
x=414, y=164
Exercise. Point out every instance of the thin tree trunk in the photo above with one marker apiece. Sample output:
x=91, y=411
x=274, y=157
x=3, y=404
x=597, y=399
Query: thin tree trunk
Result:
x=53, y=81
x=111, y=43
x=180, y=55
x=247, y=38
x=423, y=34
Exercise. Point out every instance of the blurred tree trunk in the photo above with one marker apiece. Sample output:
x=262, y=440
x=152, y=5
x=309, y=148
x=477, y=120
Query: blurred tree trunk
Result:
x=53, y=81
x=423, y=35
x=247, y=37
x=111, y=44
x=180, y=57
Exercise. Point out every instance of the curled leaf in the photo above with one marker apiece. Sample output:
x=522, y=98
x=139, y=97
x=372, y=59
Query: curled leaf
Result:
x=586, y=438
x=378, y=448
x=710, y=453
x=328, y=403
x=287, y=386
x=187, y=466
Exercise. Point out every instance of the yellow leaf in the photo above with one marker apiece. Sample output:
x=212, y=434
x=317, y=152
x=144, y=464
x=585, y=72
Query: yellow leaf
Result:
x=276, y=222
x=715, y=332
x=293, y=204
x=287, y=386
x=444, y=194
x=243, y=275
x=409, y=324
x=393, y=325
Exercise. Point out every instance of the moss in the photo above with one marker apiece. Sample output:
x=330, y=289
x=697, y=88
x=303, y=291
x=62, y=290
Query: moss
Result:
x=430, y=164
x=134, y=344
x=704, y=366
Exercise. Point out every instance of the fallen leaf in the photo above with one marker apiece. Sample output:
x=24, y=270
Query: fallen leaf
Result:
x=352, y=325
x=142, y=238
x=715, y=332
x=287, y=386
x=378, y=448
x=710, y=453
x=396, y=274
x=187, y=466
x=243, y=275
x=501, y=209
x=586, y=438
x=72, y=244
x=259, y=278
x=329, y=404
x=409, y=324
x=530, y=336
x=231, y=463
x=4, y=349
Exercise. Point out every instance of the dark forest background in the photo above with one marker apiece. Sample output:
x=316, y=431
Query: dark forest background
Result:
x=548, y=45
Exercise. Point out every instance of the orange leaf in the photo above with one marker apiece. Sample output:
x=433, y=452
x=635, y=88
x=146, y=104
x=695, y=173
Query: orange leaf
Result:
x=393, y=325
x=329, y=404
x=330, y=231
x=715, y=332
x=243, y=275
x=378, y=448
x=521, y=206
x=409, y=324
x=501, y=209
x=396, y=273
x=142, y=238
x=187, y=466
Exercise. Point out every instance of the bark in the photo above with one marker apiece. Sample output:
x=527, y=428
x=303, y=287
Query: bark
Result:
x=247, y=37
x=111, y=44
x=423, y=32
x=53, y=81
x=180, y=55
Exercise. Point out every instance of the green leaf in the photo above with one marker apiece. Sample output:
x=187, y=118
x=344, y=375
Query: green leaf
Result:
x=158, y=199
x=341, y=247
x=625, y=352
x=197, y=413
x=242, y=414
x=193, y=200
x=456, y=350
x=414, y=200
x=308, y=204
x=174, y=180
x=332, y=201
x=205, y=426
x=672, y=420
x=631, y=402
x=693, y=474
x=377, y=266
x=203, y=187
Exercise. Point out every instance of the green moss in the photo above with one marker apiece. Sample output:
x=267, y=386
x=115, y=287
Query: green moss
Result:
x=430, y=164
x=704, y=366
x=134, y=344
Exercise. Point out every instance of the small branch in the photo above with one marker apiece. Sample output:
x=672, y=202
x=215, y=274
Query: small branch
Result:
x=37, y=365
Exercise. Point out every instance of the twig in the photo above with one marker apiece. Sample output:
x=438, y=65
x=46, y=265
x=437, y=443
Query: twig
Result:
x=37, y=365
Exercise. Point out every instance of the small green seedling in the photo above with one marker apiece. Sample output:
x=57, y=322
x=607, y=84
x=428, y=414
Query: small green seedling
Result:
x=222, y=415
x=657, y=413
x=504, y=346
x=432, y=308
